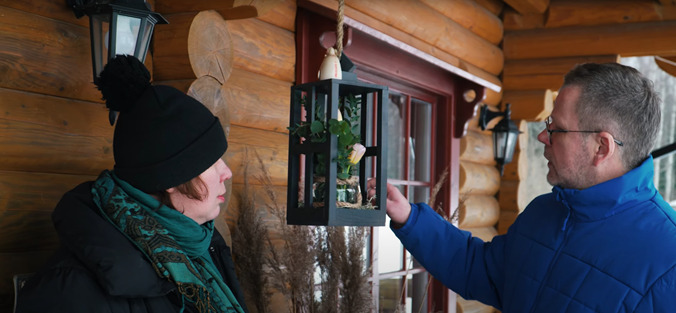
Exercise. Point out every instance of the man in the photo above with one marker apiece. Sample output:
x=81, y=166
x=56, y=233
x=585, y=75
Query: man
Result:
x=603, y=240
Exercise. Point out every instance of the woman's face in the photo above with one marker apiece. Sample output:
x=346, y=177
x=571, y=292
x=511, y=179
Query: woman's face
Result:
x=207, y=209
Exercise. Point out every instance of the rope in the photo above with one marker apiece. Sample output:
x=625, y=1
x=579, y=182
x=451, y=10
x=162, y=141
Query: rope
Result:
x=339, y=30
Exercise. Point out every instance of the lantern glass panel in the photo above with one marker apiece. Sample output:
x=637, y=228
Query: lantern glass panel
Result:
x=511, y=142
x=127, y=31
x=144, y=39
x=500, y=144
x=99, y=25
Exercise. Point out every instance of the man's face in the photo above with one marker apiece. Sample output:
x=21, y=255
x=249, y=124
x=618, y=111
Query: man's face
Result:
x=569, y=154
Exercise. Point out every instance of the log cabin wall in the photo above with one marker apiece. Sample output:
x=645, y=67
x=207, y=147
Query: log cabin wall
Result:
x=54, y=129
x=543, y=42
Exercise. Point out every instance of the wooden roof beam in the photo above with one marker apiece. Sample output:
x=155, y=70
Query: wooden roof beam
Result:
x=632, y=39
x=529, y=6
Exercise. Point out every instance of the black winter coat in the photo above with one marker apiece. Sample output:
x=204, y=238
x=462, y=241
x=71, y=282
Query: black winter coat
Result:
x=97, y=269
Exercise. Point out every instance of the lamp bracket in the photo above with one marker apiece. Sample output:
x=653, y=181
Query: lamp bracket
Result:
x=486, y=116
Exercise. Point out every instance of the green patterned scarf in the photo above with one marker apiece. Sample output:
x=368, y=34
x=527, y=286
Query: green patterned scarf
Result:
x=175, y=244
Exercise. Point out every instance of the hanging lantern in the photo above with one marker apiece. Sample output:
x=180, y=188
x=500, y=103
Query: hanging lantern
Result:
x=331, y=136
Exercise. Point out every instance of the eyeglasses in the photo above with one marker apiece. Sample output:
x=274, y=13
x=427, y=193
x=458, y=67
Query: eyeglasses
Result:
x=548, y=122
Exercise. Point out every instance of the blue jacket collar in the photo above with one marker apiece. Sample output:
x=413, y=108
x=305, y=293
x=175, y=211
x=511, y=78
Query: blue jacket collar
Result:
x=610, y=197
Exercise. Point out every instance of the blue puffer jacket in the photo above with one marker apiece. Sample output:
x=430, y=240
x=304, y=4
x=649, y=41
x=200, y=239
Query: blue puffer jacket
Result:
x=607, y=248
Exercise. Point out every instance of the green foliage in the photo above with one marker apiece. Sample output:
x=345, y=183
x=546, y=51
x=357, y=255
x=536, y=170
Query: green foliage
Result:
x=346, y=131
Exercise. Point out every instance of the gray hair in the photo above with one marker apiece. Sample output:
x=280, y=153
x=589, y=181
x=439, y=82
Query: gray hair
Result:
x=620, y=100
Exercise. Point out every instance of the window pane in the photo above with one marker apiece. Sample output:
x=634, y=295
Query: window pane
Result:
x=396, y=115
x=418, y=194
x=420, y=141
x=390, y=251
x=390, y=295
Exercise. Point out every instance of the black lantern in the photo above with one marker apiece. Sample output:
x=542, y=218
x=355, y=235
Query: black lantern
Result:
x=338, y=113
x=117, y=27
x=505, y=134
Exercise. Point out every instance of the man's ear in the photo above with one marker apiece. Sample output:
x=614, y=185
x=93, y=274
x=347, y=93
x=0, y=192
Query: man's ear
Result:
x=171, y=190
x=605, y=148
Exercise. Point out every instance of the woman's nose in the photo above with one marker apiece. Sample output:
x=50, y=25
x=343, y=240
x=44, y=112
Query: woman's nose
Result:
x=226, y=173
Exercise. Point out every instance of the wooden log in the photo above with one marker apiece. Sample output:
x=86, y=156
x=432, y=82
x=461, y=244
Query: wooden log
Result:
x=35, y=192
x=530, y=105
x=484, y=233
x=518, y=168
x=261, y=197
x=408, y=39
x=51, y=9
x=27, y=231
x=264, y=49
x=39, y=133
x=282, y=15
x=477, y=147
x=478, y=211
x=24, y=43
x=181, y=84
x=554, y=66
x=513, y=20
x=533, y=82
x=588, y=13
x=262, y=6
x=435, y=29
x=210, y=46
x=523, y=139
x=472, y=306
x=258, y=47
x=472, y=16
x=171, y=48
x=494, y=6
x=512, y=196
x=506, y=220
x=667, y=64
x=478, y=179
x=259, y=101
x=226, y=8
x=633, y=39
x=207, y=90
x=529, y=6
x=491, y=97
x=272, y=147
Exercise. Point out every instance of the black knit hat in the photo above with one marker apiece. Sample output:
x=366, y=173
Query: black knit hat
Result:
x=163, y=137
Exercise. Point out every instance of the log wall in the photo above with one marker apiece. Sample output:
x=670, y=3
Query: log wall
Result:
x=54, y=129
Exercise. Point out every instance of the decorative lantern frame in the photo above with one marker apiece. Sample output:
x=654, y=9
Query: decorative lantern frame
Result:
x=326, y=94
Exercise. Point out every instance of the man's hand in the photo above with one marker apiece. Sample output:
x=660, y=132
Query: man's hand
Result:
x=398, y=207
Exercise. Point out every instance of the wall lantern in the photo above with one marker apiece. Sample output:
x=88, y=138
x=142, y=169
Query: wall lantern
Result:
x=117, y=27
x=505, y=134
x=331, y=121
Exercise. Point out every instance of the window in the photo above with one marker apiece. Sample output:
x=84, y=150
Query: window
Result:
x=665, y=167
x=422, y=116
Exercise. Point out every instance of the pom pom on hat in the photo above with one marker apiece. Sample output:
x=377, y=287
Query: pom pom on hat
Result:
x=163, y=137
x=122, y=81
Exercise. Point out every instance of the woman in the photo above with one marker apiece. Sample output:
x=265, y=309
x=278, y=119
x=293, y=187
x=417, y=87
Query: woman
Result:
x=141, y=237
